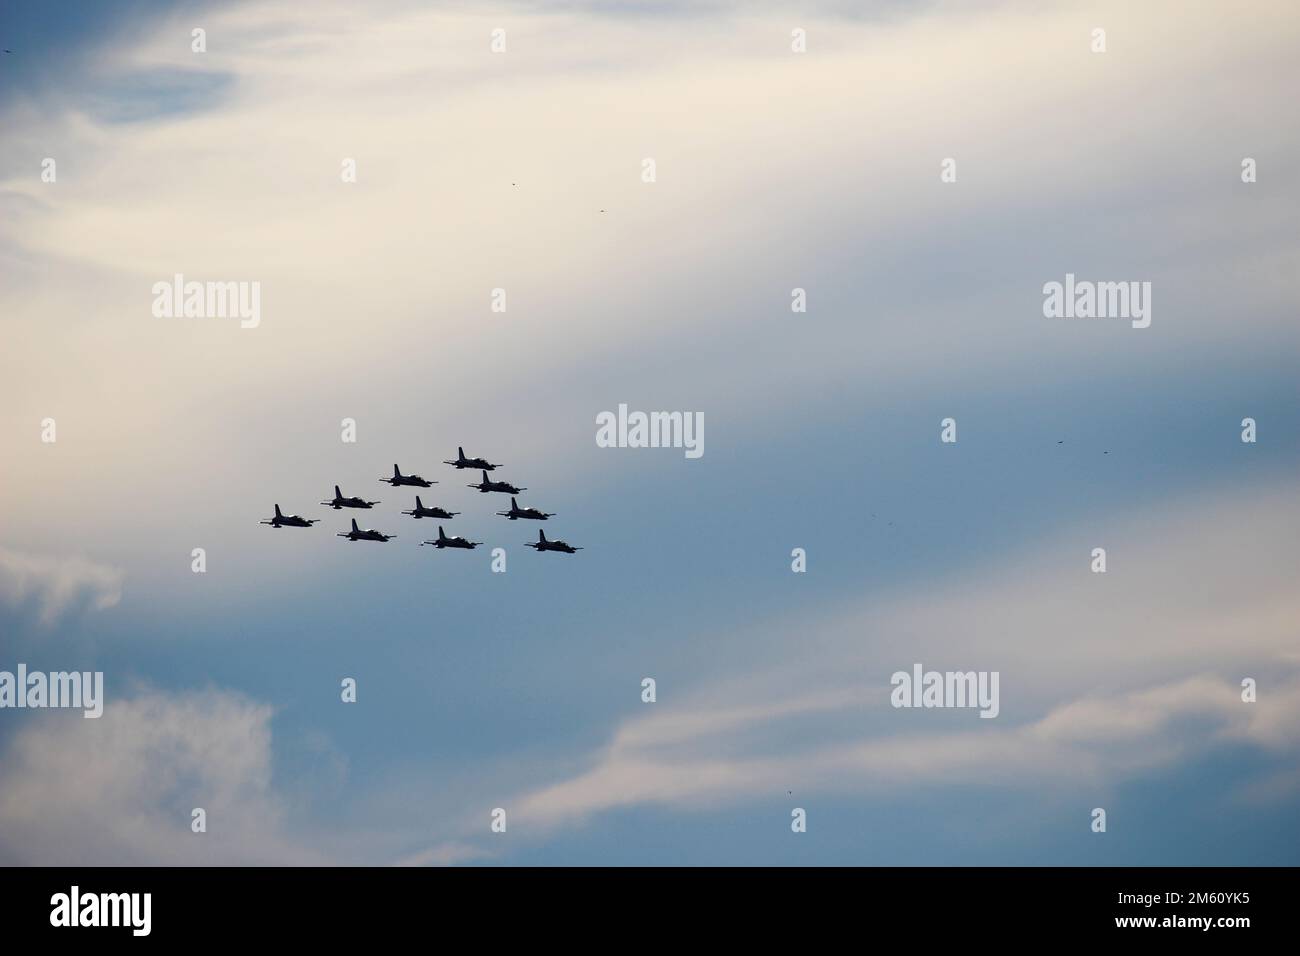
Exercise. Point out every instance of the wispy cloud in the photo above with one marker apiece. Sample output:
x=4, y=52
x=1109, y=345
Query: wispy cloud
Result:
x=1147, y=680
x=1100, y=740
x=57, y=584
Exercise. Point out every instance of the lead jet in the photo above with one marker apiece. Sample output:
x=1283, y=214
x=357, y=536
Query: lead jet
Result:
x=446, y=542
x=463, y=462
x=542, y=544
x=422, y=512
x=401, y=479
x=357, y=534
x=282, y=520
x=341, y=502
x=518, y=512
x=503, y=486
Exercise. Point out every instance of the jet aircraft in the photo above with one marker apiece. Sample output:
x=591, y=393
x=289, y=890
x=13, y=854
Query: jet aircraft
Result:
x=401, y=479
x=543, y=544
x=446, y=542
x=341, y=502
x=422, y=512
x=518, y=512
x=463, y=462
x=503, y=486
x=358, y=534
x=282, y=520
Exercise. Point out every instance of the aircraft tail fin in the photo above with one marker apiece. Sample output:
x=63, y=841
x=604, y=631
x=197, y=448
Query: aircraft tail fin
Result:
x=461, y=452
x=397, y=473
x=277, y=512
x=541, y=535
x=442, y=535
x=485, y=477
x=354, y=525
x=418, y=506
x=514, y=504
x=337, y=493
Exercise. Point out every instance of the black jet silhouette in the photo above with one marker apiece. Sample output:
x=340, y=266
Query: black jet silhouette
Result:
x=446, y=542
x=542, y=544
x=518, y=512
x=422, y=512
x=480, y=463
x=282, y=520
x=341, y=502
x=401, y=479
x=357, y=534
x=503, y=486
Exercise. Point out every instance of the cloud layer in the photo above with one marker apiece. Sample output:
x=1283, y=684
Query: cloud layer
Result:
x=522, y=171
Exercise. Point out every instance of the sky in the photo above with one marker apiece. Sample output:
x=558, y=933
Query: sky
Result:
x=774, y=170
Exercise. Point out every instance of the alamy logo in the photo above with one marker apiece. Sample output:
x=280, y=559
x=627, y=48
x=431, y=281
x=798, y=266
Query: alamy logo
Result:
x=946, y=689
x=57, y=689
x=208, y=300
x=1098, y=300
x=102, y=909
x=653, y=430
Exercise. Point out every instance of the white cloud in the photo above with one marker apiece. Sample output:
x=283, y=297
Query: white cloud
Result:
x=119, y=790
x=57, y=584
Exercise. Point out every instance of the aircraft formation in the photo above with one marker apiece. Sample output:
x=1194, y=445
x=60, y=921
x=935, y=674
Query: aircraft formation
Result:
x=399, y=480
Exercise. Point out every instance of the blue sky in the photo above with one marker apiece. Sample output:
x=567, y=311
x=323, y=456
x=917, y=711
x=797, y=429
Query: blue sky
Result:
x=522, y=690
